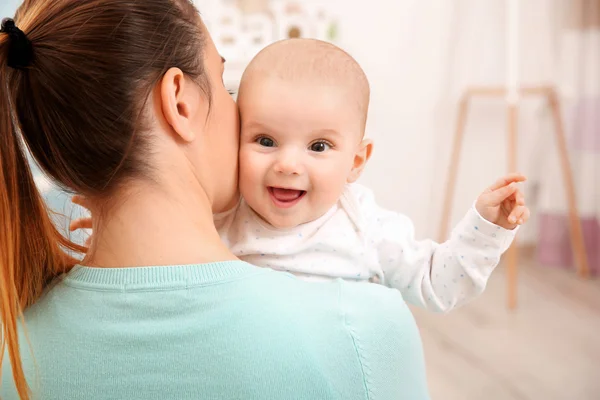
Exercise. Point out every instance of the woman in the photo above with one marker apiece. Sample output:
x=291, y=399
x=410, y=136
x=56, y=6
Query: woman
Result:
x=123, y=101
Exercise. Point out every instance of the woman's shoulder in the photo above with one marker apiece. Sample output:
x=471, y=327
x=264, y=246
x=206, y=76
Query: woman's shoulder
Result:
x=350, y=300
x=373, y=313
x=368, y=321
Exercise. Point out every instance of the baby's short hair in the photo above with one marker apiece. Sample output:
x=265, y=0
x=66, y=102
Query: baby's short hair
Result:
x=314, y=61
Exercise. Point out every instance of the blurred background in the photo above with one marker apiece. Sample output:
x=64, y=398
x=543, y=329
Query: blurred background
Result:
x=422, y=58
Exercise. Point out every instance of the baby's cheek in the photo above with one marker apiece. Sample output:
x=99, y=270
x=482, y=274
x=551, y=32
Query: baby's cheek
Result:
x=248, y=165
x=331, y=185
x=248, y=177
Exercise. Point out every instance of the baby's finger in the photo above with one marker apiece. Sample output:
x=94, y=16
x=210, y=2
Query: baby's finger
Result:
x=519, y=197
x=507, y=180
x=498, y=196
x=80, y=201
x=524, y=217
x=80, y=223
x=516, y=214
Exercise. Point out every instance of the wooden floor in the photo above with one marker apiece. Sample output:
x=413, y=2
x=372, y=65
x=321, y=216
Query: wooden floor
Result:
x=548, y=349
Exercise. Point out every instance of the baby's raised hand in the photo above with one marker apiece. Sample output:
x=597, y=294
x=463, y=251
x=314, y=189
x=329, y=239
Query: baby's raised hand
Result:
x=503, y=203
x=81, y=223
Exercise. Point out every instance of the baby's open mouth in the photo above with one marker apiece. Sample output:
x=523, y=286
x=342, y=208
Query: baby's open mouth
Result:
x=284, y=197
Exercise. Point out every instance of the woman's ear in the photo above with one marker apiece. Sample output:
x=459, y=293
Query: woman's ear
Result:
x=180, y=101
x=360, y=159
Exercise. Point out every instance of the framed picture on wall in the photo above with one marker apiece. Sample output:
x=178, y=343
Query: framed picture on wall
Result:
x=241, y=28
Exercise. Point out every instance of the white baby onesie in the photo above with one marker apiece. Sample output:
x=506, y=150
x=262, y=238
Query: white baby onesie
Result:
x=358, y=240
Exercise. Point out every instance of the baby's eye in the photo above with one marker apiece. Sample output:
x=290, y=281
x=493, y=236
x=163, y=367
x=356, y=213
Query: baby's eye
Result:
x=320, y=147
x=265, y=142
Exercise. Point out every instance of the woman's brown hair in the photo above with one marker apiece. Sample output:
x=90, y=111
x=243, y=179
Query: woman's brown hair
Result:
x=76, y=103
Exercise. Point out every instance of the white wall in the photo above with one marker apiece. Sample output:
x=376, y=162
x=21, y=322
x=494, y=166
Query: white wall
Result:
x=401, y=48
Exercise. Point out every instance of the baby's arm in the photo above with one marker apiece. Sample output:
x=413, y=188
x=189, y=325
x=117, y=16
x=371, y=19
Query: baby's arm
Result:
x=438, y=277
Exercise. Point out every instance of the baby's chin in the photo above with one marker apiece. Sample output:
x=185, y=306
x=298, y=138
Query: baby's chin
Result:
x=288, y=221
x=285, y=219
x=285, y=222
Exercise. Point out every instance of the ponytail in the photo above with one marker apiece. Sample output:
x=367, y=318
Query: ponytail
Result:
x=68, y=95
x=32, y=251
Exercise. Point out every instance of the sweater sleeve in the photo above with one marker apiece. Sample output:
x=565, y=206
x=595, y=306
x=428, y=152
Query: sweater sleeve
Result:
x=435, y=276
x=386, y=341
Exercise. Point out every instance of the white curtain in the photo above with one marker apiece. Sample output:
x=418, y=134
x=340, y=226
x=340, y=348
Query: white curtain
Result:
x=579, y=61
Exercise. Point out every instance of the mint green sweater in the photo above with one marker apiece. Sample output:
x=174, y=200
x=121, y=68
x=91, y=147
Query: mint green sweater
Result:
x=218, y=331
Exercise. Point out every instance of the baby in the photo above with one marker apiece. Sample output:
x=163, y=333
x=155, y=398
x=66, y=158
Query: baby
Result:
x=303, y=106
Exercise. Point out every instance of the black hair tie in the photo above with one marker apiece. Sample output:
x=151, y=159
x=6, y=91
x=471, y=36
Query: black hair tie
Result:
x=20, y=50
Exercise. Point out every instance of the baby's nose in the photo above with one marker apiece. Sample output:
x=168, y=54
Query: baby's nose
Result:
x=289, y=163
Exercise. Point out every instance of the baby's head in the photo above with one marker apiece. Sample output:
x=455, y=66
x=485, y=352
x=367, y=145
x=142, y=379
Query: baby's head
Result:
x=303, y=107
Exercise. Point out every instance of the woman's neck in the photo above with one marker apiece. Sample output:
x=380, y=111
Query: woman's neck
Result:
x=150, y=226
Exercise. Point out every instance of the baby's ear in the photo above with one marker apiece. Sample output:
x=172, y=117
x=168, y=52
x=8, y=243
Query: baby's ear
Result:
x=360, y=159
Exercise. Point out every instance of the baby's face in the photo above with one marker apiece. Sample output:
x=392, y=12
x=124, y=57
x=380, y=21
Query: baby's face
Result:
x=297, y=148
